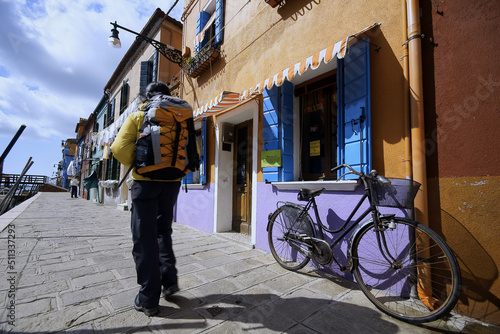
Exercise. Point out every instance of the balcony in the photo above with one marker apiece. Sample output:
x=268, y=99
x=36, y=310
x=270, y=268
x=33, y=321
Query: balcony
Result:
x=202, y=61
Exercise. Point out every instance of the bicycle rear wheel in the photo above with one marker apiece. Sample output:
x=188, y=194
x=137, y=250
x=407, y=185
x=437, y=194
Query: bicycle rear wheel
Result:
x=415, y=279
x=285, y=234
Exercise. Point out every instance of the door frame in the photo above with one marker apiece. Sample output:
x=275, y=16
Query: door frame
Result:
x=249, y=162
x=223, y=179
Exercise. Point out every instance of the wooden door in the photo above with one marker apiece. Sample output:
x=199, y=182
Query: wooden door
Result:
x=242, y=178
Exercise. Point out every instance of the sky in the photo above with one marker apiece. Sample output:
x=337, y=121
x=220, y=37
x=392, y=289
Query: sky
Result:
x=54, y=64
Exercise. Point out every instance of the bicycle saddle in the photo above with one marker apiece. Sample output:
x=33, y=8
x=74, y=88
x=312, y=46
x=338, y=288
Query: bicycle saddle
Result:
x=306, y=194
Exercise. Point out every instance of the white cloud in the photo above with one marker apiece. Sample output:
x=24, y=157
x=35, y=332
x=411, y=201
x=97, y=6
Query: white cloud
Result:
x=55, y=60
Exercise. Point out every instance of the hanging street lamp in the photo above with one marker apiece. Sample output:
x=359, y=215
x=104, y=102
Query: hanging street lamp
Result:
x=169, y=52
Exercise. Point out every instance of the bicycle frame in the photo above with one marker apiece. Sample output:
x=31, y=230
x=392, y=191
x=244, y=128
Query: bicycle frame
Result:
x=371, y=209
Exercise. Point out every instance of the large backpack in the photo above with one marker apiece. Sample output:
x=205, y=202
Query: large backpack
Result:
x=166, y=148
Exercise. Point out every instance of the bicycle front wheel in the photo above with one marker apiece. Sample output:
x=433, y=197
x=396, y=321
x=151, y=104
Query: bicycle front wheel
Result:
x=285, y=236
x=406, y=270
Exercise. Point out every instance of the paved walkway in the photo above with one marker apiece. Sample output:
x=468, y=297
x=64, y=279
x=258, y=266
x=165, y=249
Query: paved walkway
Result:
x=74, y=273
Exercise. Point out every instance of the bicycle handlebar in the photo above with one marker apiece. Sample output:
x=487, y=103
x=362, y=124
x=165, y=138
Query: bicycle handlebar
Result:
x=348, y=167
x=373, y=175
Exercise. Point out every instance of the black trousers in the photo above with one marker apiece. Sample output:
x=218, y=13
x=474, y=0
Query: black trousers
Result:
x=152, y=214
x=74, y=191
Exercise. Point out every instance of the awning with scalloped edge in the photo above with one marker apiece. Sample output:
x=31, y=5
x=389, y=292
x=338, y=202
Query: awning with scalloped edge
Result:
x=219, y=103
x=337, y=50
x=228, y=99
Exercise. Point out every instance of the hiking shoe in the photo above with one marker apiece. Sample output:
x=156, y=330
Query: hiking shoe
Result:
x=167, y=292
x=147, y=311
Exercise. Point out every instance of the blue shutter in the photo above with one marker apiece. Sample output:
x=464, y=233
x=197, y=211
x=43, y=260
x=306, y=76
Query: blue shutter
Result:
x=145, y=78
x=188, y=179
x=201, y=21
x=354, y=117
x=203, y=157
x=271, y=131
x=287, y=131
x=219, y=22
x=203, y=153
x=154, y=69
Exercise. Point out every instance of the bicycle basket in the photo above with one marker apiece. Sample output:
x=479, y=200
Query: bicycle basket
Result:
x=398, y=194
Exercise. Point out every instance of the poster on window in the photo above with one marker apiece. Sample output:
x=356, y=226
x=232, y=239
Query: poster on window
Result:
x=315, y=148
x=271, y=158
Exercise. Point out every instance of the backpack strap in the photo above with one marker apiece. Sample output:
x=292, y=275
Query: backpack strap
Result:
x=176, y=142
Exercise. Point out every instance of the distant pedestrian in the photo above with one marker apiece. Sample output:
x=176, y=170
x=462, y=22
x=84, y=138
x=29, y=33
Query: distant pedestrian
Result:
x=152, y=214
x=74, y=187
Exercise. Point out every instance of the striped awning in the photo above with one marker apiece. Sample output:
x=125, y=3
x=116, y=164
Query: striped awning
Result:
x=219, y=103
x=337, y=50
x=201, y=35
x=227, y=99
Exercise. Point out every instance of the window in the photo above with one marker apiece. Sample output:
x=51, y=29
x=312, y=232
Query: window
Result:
x=112, y=169
x=318, y=127
x=209, y=25
x=149, y=71
x=110, y=115
x=200, y=176
x=124, y=97
x=334, y=119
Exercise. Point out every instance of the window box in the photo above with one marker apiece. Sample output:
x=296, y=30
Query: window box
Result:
x=202, y=61
x=273, y=3
x=342, y=185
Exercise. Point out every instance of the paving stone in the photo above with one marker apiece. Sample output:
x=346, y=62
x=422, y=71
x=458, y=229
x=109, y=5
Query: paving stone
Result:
x=286, y=282
x=91, y=293
x=214, y=290
x=183, y=322
x=35, y=307
x=76, y=275
x=89, y=280
x=241, y=266
x=209, y=275
x=42, y=289
x=123, y=299
x=299, y=304
x=64, y=319
x=71, y=273
x=264, y=319
x=253, y=277
x=55, y=267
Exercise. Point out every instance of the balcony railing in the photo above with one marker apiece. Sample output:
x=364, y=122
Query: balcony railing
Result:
x=202, y=61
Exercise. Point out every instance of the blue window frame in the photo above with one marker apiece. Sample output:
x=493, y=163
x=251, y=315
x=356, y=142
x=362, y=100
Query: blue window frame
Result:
x=278, y=131
x=355, y=109
x=200, y=176
x=215, y=33
x=343, y=112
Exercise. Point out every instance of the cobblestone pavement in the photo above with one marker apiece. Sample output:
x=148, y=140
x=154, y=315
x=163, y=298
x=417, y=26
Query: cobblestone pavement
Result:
x=74, y=273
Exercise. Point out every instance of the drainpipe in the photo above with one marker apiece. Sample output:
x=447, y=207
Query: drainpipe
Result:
x=422, y=289
x=417, y=110
x=406, y=94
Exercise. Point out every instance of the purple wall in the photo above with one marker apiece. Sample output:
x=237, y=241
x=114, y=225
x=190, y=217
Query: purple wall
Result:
x=343, y=202
x=196, y=208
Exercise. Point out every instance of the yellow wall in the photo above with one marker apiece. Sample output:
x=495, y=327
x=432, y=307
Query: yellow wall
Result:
x=260, y=41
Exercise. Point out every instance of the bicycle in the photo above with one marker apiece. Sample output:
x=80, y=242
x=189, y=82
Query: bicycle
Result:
x=404, y=268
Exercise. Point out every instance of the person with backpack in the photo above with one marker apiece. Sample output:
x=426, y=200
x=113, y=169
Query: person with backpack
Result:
x=153, y=196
